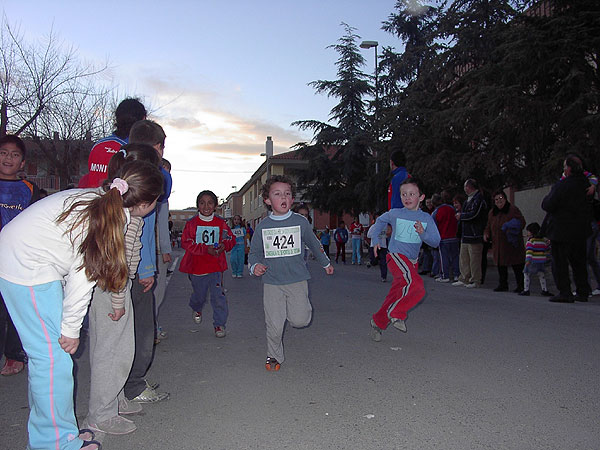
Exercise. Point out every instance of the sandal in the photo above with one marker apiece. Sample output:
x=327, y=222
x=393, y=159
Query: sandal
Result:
x=92, y=442
x=87, y=430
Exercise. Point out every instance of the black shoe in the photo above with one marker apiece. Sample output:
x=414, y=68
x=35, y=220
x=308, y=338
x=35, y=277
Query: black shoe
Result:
x=547, y=294
x=518, y=290
x=501, y=289
x=526, y=293
x=581, y=299
x=562, y=299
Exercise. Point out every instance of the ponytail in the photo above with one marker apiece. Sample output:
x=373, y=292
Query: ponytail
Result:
x=103, y=247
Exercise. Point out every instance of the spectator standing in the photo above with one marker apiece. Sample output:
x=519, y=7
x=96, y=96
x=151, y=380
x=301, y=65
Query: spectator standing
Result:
x=399, y=174
x=472, y=221
x=325, y=240
x=15, y=195
x=340, y=236
x=537, y=251
x=505, y=230
x=567, y=225
x=127, y=113
x=356, y=231
x=445, y=219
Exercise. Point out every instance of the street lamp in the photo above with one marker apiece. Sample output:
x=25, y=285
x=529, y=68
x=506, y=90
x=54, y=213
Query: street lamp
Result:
x=367, y=45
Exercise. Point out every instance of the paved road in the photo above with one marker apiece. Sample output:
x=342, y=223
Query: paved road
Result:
x=476, y=370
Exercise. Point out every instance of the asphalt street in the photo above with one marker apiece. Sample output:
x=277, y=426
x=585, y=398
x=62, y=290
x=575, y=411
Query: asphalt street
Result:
x=476, y=370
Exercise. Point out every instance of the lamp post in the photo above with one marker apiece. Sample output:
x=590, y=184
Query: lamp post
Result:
x=367, y=45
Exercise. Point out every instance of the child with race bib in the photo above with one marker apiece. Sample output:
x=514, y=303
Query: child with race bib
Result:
x=238, y=253
x=53, y=254
x=276, y=254
x=205, y=239
x=410, y=228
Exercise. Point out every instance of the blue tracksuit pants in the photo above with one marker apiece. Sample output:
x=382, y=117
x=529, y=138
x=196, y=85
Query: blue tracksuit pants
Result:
x=37, y=314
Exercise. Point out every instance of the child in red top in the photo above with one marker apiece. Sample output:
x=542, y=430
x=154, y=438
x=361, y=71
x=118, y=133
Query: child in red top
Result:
x=205, y=240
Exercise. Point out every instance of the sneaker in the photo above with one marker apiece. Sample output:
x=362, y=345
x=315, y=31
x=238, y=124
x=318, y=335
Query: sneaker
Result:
x=442, y=280
x=368, y=265
x=547, y=294
x=12, y=367
x=198, y=317
x=471, y=285
x=526, y=293
x=375, y=332
x=240, y=276
x=399, y=324
x=151, y=385
x=596, y=292
x=233, y=275
x=126, y=407
x=115, y=425
x=272, y=364
x=562, y=299
x=161, y=334
x=220, y=332
x=383, y=280
x=150, y=395
x=458, y=283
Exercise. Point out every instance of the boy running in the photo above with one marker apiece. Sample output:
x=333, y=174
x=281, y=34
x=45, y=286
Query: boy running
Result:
x=410, y=228
x=276, y=255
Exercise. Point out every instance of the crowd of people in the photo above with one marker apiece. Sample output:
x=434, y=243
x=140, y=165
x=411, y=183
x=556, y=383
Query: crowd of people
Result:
x=103, y=252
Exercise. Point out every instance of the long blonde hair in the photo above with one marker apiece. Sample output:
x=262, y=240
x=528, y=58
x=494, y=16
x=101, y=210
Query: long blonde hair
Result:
x=103, y=247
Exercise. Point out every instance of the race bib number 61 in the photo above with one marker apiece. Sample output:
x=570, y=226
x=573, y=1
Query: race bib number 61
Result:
x=207, y=235
x=280, y=242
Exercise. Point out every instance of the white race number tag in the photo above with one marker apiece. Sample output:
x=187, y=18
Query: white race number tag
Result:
x=207, y=235
x=405, y=231
x=279, y=242
x=238, y=232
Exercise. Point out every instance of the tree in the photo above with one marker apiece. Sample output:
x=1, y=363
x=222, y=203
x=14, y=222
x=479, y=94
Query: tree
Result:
x=51, y=97
x=341, y=155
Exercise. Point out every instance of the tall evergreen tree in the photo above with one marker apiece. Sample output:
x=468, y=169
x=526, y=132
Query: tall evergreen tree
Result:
x=340, y=153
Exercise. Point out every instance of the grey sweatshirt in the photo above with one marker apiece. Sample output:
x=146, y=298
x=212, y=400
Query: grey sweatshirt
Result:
x=278, y=243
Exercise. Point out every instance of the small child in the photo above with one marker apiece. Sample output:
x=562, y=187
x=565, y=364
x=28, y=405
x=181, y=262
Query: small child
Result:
x=325, y=239
x=238, y=252
x=340, y=235
x=52, y=256
x=276, y=255
x=411, y=227
x=15, y=195
x=205, y=239
x=537, y=250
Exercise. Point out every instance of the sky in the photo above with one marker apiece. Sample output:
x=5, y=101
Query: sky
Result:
x=219, y=76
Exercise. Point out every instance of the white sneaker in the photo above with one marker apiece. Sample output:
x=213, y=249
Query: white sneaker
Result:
x=197, y=317
x=375, y=332
x=596, y=292
x=471, y=285
x=399, y=324
x=458, y=283
x=443, y=280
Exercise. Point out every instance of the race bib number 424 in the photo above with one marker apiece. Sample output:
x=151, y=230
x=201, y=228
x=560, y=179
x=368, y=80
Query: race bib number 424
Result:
x=280, y=242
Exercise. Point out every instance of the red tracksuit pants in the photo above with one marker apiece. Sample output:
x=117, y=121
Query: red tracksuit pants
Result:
x=407, y=290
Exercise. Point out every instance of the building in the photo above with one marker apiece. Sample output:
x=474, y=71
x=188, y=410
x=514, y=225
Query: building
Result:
x=248, y=203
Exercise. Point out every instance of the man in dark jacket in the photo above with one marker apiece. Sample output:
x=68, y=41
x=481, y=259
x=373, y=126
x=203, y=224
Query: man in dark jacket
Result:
x=472, y=220
x=567, y=225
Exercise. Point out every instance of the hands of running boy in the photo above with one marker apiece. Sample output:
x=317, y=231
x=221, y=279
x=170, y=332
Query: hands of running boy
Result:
x=329, y=269
x=147, y=283
x=260, y=269
x=117, y=314
x=419, y=227
x=68, y=344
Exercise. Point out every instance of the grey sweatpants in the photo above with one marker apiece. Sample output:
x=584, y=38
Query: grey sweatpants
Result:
x=284, y=302
x=112, y=346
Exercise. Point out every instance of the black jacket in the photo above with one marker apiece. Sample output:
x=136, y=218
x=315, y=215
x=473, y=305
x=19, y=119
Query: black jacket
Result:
x=473, y=219
x=569, y=210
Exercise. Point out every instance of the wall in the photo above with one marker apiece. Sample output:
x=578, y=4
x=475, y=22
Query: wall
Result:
x=530, y=203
